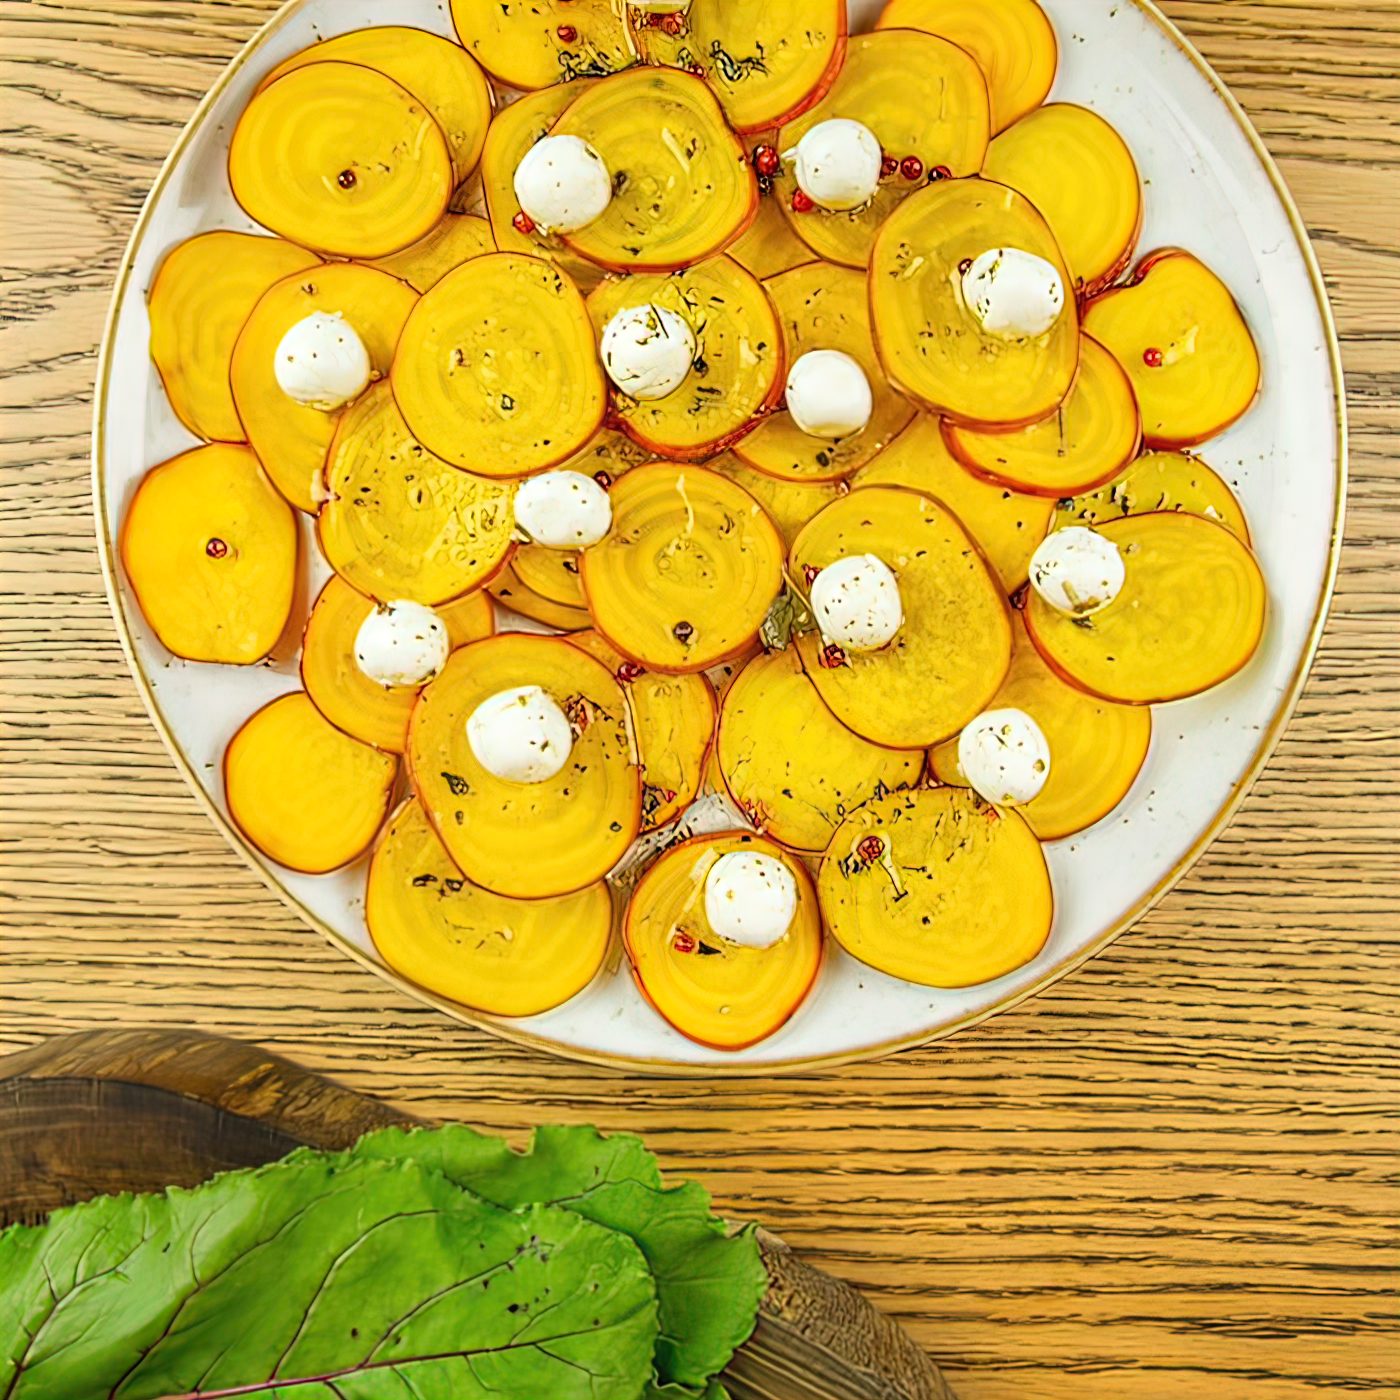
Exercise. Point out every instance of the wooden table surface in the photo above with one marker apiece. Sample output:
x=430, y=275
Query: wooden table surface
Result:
x=1166, y=1177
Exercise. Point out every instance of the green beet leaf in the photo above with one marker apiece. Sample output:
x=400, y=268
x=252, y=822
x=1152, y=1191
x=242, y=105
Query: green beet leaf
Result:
x=709, y=1283
x=713, y=1391
x=325, y=1280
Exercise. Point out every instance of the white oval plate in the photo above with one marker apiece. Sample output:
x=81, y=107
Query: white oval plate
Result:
x=1210, y=188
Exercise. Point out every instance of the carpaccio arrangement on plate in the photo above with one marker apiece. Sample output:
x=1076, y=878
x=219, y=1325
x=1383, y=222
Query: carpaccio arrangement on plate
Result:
x=757, y=491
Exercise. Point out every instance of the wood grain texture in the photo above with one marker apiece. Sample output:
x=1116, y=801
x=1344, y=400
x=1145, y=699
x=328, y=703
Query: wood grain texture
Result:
x=1172, y=1174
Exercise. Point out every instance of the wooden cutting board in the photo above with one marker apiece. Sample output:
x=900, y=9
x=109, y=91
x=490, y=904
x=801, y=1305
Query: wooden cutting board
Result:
x=85, y=1115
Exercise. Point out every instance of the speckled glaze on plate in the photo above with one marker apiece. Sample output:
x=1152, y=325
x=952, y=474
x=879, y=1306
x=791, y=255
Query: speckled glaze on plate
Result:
x=1210, y=187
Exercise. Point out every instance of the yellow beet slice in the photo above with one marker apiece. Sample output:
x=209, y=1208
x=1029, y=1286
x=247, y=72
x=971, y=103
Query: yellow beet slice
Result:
x=211, y=551
x=1007, y=525
x=723, y=677
x=517, y=128
x=931, y=345
x=938, y=888
x=290, y=438
x=507, y=957
x=683, y=187
x=1085, y=443
x=951, y=654
x=790, y=504
x=791, y=766
x=824, y=307
x=924, y=98
x=1190, y=615
x=506, y=588
x=769, y=246
x=610, y=454
x=1012, y=40
x=552, y=573
x=1078, y=171
x=1158, y=481
x=689, y=571
x=1185, y=344
x=306, y=795
x=457, y=239
x=729, y=55
x=1097, y=749
x=339, y=157
x=365, y=710
x=723, y=995
x=444, y=78
x=738, y=374
x=673, y=719
x=205, y=290
x=531, y=44
x=497, y=369
x=767, y=60
x=401, y=523
x=528, y=840
x=469, y=618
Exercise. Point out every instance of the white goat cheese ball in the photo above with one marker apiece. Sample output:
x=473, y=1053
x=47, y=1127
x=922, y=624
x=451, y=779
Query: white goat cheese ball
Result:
x=563, y=510
x=1013, y=294
x=828, y=395
x=562, y=184
x=1078, y=571
x=1005, y=756
x=322, y=362
x=837, y=164
x=521, y=735
x=402, y=643
x=750, y=898
x=857, y=604
x=648, y=351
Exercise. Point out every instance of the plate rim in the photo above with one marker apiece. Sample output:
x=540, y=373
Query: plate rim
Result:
x=642, y=1064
